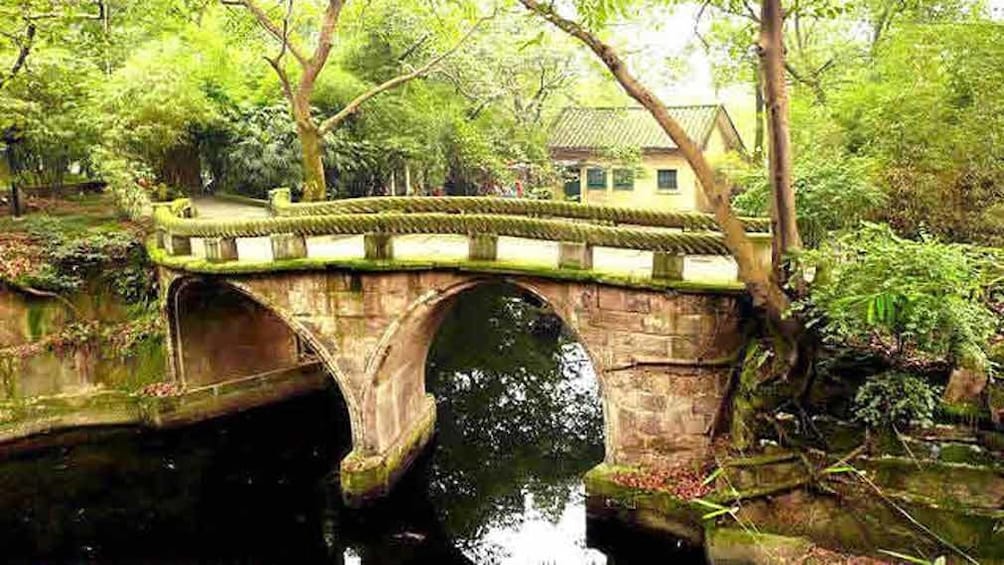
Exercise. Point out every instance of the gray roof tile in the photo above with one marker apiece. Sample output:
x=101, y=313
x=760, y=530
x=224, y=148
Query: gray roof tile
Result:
x=595, y=128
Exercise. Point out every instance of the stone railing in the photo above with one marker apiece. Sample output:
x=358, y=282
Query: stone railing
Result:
x=577, y=228
x=280, y=204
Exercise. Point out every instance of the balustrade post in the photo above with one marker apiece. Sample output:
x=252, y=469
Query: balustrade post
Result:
x=288, y=246
x=221, y=249
x=178, y=244
x=378, y=246
x=762, y=252
x=278, y=197
x=667, y=266
x=575, y=255
x=482, y=247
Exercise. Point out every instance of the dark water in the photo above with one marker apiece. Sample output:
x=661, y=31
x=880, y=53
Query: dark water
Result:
x=519, y=423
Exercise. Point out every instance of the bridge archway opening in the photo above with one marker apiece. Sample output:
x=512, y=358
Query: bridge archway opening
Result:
x=513, y=383
x=222, y=334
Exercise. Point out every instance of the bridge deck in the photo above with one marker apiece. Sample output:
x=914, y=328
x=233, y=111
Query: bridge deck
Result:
x=446, y=248
x=621, y=244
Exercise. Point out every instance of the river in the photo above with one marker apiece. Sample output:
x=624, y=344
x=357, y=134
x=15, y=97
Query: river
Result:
x=519, y=422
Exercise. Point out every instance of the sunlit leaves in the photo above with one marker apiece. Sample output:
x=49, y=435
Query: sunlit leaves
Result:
x=930, y=112
x=925, y=297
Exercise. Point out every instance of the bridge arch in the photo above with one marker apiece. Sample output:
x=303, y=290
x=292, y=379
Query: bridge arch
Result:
x=184, y=292
x=397, y=368
x=661, y=357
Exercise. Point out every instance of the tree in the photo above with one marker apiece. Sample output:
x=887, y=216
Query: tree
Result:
x=929, y=111
x=763, y=287
x=47, y=106
x=771, y=49
x=311, y=132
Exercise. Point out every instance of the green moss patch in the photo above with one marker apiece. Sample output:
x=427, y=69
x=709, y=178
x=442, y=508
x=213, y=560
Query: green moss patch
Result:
x=365, y=477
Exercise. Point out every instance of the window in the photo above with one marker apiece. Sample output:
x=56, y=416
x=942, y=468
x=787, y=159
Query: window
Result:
x=667, y=179
x=623, y=179
x=596, y=179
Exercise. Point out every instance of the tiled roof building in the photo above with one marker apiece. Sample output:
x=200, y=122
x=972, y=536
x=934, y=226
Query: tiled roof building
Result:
x=581, y=140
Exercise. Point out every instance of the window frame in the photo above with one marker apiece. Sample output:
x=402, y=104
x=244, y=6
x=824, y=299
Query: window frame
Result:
x=589, y=181
x=675, y=177
x=622, y=186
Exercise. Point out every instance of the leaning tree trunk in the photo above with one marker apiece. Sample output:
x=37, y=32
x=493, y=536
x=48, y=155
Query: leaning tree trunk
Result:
x=758, y=136
x=771, y=50
x=764, y=291
x=312, y=148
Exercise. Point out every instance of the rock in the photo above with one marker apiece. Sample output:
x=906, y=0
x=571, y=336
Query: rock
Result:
x=965, y=385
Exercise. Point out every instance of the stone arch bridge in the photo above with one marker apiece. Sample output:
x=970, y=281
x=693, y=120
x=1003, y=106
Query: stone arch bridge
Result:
x=348, y=284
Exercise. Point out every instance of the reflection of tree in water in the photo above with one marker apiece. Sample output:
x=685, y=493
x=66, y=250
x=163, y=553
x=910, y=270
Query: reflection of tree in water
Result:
x=518, y=413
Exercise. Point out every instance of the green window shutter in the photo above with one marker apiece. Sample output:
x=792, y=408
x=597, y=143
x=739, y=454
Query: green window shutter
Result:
x=596, y=179
x=623, y=179
x=667, y=179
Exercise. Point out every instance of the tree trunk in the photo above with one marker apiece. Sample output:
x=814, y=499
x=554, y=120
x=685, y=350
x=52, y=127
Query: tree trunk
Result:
x=312, y=146
x=758, y=138
x=181, y=169
x=763, y=289
x=786, y=238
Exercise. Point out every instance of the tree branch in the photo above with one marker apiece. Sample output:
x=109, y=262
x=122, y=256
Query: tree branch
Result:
x=269, y=26
x=22, y=55
x=414, y=47
x=320, y=56
x=764, y=291
x=751, y=12
x=697, y=23
x=287, y=89
x=277, y=62
x=812, y=83
x=353, y=106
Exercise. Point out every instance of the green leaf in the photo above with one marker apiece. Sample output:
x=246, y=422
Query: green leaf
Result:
x=709, y=504
x=904, y=557
x=714, y=475
x=839, y=469
x=716, y=513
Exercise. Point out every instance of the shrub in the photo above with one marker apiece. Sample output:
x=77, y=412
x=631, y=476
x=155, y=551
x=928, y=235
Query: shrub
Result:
x=830, y=194
x=871, y=287
x=894, y=398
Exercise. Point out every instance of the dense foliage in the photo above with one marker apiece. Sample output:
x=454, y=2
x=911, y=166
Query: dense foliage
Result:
x=70, y=253
x=892, y=399
x=830, y=193
x=872, y=287
x=178, y=93
x=929, y=113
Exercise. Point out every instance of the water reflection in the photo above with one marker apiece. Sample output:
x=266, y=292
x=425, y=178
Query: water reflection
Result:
x=519, y=423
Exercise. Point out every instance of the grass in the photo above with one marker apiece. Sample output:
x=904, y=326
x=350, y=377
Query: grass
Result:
x=75, y=214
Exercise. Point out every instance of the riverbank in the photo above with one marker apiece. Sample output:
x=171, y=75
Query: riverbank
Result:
x=782, y=507
x=34, y=422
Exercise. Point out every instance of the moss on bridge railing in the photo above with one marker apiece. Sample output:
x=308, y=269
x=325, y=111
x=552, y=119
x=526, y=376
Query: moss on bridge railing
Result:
x=281, y=205
x=395, y=223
